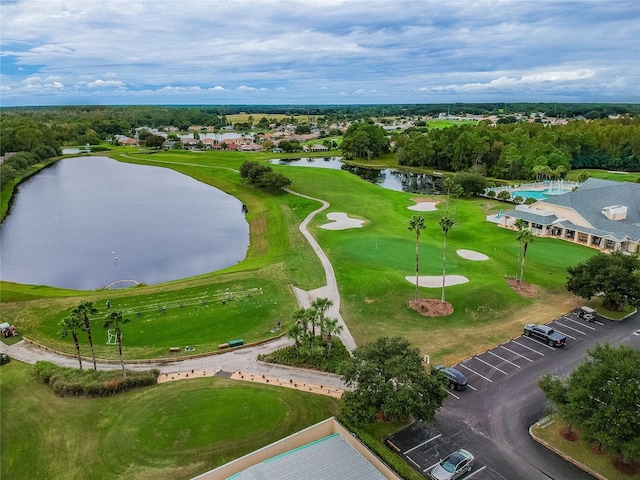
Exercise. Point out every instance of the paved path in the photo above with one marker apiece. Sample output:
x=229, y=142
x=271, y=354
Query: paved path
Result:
x=242, y=359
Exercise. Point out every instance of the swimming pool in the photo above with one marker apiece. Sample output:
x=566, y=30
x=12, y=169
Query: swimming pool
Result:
x=537, y=194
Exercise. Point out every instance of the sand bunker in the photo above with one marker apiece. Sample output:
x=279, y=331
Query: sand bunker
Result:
x=341, y=221
x=436, y=281
x=423, y=206
x=471, y=255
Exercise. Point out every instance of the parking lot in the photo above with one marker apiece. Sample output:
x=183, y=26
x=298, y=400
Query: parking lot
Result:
x=488, y=374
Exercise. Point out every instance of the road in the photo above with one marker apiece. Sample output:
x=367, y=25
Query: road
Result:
x=491, y=419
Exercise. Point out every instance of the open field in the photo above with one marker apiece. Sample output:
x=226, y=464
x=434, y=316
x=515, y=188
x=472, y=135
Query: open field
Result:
x=371, y=264
x=175, y=430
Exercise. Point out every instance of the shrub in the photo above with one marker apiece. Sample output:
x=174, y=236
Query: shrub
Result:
x=318, y=361
x=65, y=381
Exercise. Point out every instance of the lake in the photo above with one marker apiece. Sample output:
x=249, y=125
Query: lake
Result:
x=390, y=178
x=87, y=222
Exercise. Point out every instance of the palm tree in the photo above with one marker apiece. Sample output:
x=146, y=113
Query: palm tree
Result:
x=332, y=327
x=446, y=223
x=520, y=225
x=321, y=305
x=85, y=309
x=525, y=237
x=72, y=325
x=416, y=224
x=114, y=320
x=294, y=333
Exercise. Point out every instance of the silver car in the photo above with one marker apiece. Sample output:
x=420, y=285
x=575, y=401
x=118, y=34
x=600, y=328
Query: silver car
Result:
x=454, y=466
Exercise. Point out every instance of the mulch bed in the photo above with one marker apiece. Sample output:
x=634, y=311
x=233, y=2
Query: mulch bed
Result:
x=572, y=436
x=429, y=307
x=630, y=469
x=526, y=289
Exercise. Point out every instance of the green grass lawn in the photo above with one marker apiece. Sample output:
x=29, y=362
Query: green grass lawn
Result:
x=370, y=263
x=580, y=451
x=173, y=430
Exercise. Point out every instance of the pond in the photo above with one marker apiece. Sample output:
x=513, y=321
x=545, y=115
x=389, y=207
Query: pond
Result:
x=85, y=223
x=390, y=178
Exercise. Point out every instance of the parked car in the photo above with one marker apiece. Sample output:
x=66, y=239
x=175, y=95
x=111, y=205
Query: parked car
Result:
x=545, y=334
x=454, y=466
x=455, y=378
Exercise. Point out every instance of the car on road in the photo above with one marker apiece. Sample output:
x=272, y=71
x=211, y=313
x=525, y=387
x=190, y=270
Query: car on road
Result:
x=545, y=334
x=454, y=466
x=455, y=378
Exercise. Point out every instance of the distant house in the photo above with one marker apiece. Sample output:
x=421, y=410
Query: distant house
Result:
x=127, y=141
x=317, y=147
x=600, y=214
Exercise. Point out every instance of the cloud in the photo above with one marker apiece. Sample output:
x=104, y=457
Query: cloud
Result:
x=293, y=51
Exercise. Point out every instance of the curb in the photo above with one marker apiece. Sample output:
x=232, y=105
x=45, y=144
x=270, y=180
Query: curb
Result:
x=560, y=453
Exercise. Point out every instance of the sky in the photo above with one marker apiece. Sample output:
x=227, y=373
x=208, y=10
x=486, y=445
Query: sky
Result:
x=272, y=52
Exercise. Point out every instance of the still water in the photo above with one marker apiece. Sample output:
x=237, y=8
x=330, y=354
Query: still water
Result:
x=389, y=178
x=87, y=222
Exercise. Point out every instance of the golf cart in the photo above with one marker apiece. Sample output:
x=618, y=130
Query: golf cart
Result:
x=589, y=314
x=7, y=330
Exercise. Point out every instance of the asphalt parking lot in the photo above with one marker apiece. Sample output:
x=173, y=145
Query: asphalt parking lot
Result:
x=503, y=383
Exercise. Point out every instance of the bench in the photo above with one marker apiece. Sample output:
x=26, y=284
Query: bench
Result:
x=236, y=343
x=174, y=349
x=223, y=345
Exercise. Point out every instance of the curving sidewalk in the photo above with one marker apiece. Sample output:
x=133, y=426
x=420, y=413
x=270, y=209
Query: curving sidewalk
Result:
x=239, y=360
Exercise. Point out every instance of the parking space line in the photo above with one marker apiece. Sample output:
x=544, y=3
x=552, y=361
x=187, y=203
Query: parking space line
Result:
x=516, y=353
x=564, y=333
x=422, y=444
x=477, y=471
x=491, y=353
x=430, y=467
x=528, y=348
x=487, y=363
x=453, y=394
x=570, y=328
x=579, y=323
x=471, y=387
x=488, y=379
x=541, y=344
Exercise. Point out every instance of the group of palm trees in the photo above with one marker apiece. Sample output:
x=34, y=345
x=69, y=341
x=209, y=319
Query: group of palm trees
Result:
x=524, y=237
x=78, y=321
x=416, y=224
x=303, y=331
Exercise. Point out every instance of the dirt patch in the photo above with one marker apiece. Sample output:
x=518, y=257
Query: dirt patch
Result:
x=629, y=469
x=368, y=300
x=570, y=435
x=429, y=307
x=597, y=449
x=526, y=289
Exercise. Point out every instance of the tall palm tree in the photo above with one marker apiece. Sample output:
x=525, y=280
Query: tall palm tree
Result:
x=416, y=224
x=85, y=309
x=332, y=327
x=73, y=324
x=520, y=225
x=114, y=320
x=446, y=223
x=525, y=237
x=321, y=305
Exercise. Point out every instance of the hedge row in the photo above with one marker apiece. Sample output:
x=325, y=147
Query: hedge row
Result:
x=67, y=381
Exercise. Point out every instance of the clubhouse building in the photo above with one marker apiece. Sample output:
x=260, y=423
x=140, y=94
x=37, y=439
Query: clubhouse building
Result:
x=600, y=214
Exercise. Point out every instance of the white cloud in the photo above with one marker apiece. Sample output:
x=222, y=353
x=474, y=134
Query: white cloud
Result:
x=105, y=84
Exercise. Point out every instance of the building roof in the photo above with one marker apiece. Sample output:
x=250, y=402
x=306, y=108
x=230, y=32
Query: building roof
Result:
x=329, y=457
x=593, y=196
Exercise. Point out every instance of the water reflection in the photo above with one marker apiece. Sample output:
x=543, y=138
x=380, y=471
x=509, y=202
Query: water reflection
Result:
x=389, y=178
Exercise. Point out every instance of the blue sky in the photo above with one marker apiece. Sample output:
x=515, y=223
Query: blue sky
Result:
x=60, y=52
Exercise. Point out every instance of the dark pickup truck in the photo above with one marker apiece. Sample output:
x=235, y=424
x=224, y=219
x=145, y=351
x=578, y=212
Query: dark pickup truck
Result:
x=545, y=334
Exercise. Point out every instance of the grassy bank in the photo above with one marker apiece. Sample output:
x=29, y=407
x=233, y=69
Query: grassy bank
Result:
x=175, y=430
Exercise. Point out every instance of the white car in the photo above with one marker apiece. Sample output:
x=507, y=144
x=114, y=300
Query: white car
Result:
x=454, y=466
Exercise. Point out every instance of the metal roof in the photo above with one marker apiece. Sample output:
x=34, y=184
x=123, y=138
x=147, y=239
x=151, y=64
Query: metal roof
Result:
x=328, y=458
x=594, y=195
